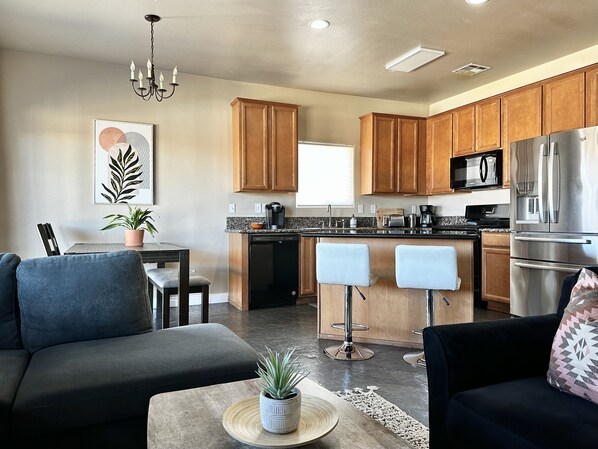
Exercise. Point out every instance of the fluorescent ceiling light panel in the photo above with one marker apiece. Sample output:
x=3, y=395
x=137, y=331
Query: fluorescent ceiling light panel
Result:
x=413, y=59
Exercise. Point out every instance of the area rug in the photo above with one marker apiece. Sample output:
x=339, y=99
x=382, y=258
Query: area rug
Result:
x=388, y=414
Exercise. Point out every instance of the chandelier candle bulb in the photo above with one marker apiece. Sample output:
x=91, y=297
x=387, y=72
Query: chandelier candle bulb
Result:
x=161, y=81
x=149, y=68
x=140, y=80
x=132, y=71
x=174, y=74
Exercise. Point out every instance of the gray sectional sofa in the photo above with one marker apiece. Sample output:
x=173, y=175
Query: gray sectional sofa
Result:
x=79, y=360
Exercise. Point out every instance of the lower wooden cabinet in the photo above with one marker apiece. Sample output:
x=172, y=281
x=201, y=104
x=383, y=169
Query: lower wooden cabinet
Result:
x=496, y=254
x=308, y=286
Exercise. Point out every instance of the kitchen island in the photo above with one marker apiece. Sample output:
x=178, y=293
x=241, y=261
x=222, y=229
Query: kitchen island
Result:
x=391, y=312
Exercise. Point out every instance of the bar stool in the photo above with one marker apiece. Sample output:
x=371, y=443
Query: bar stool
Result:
x=349, y=265
x=429, y=268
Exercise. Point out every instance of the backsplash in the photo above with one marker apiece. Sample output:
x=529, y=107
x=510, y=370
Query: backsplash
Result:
x=242, y=223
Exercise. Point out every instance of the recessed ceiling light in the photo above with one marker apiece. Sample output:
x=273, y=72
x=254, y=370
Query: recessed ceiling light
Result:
x=475, y=2
x=319, y=24
x=413, y=59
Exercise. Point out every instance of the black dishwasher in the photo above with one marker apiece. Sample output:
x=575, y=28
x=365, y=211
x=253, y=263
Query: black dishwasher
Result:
x=273, y=270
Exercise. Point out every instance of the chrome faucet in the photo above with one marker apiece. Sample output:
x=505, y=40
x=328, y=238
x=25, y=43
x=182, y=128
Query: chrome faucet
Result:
x=329, y=210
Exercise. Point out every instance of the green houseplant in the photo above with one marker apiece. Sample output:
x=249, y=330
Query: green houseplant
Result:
x=135, y=223
x=280, y=399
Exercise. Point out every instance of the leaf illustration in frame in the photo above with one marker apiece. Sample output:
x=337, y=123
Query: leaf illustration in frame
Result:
x=125, y=174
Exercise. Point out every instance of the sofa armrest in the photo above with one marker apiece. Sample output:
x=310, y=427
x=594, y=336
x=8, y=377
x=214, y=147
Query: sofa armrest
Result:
x=465, y=356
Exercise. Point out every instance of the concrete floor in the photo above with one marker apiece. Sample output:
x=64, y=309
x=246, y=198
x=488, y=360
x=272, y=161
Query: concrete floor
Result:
x=281, y=328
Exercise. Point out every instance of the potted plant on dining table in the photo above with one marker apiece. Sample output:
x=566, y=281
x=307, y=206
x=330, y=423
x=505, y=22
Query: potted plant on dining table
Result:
x=280, y=399
x=135, y=223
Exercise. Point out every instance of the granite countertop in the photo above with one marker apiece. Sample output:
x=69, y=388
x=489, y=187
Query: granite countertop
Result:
x=409, y=233
x=367, y=232
x=502, y=230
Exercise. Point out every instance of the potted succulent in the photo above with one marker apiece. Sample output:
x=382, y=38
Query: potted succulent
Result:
x=280, y=399
x=135, y=223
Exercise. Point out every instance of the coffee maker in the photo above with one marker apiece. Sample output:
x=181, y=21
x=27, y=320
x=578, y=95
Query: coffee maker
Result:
x=427, y=216
x=274, y=215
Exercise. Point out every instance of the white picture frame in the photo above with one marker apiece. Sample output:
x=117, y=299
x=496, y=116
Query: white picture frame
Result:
x=123, y=162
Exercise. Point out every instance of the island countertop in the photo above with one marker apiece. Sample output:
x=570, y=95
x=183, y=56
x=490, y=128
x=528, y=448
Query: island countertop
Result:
x=416, y=233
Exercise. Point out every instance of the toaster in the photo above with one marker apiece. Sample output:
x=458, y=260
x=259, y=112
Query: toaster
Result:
x=393, y=221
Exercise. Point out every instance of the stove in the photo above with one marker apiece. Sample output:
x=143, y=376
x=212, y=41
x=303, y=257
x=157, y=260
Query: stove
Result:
x=478, y=218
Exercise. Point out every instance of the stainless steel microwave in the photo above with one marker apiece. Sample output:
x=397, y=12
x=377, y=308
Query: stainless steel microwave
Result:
x=477, y=171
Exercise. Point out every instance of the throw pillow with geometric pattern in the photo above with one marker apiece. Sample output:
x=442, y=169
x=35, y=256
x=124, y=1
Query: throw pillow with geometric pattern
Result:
x=573, y=366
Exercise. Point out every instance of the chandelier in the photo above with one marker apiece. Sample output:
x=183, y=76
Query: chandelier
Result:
x=153, y=89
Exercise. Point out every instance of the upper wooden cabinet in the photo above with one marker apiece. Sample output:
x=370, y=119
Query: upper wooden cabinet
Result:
x=564, y=103
x=592, y=97
x=264, y=146
x=487, y=124
x=476, y=127
x=464, y=131
x=389, y=154
x=439, y=149
x=521, y=118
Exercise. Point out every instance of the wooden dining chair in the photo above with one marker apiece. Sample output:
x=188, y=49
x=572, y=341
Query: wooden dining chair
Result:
x=48, y=239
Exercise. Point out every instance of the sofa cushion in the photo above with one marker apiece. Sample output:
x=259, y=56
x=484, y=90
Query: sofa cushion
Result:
x=91, y=382
x=523, y=414
x=9, y=327
x=73, y=298
x=13, y=363
x=573, y=366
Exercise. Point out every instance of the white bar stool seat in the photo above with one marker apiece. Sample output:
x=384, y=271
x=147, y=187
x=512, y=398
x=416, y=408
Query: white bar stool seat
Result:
x=349, y=265
x=428, y=268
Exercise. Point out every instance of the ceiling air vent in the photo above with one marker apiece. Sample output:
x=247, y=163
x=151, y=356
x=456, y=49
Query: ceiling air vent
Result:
x=471, y=69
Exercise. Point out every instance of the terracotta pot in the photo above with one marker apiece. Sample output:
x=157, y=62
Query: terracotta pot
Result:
x=134, y=238
x=280, y=415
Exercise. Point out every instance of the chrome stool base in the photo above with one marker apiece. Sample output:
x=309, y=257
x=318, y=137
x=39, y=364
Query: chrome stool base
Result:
x=348, y=351
x=415, y=359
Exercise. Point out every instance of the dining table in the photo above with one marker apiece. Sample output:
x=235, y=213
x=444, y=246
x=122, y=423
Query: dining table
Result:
x=158, y=253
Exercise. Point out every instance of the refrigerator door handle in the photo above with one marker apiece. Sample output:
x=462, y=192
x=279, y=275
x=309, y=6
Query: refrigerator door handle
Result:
x=534, y=266
x=553, y=240
x=541, y=200
x=554, y=183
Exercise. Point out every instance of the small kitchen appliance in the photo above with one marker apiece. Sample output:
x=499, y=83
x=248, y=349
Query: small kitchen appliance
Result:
x=274, y=216
x=427, y=216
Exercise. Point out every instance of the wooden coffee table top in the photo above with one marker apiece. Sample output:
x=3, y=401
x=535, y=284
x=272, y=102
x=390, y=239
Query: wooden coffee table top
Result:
x=193, y=419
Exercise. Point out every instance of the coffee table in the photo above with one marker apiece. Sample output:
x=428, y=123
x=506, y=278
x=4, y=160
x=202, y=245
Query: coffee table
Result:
x=192, y=419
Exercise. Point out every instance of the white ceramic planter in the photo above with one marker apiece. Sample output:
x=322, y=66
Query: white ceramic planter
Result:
x=280, y=415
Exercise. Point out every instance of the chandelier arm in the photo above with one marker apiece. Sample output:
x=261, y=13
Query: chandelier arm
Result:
x=171, y=93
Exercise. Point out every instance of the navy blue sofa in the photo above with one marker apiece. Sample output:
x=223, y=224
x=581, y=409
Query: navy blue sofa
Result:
x=487, y=386
x=78, y=358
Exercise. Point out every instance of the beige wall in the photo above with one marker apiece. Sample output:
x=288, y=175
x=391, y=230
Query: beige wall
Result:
x=47, y=108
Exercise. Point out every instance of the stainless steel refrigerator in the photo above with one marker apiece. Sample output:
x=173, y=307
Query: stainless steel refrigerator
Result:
x=554, y=215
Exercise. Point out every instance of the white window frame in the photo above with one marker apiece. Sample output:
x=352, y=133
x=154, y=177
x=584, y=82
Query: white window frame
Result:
x=323, y=173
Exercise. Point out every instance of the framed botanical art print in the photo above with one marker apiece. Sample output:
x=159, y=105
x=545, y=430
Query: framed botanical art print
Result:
x=124, y=163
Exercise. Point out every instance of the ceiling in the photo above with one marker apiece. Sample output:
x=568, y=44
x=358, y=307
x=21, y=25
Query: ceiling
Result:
x=269, y=42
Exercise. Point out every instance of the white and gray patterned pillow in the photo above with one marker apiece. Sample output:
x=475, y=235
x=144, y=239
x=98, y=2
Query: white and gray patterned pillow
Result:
x=573, y=366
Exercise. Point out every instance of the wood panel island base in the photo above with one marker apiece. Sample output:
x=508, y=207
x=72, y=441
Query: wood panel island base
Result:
x=391, y=312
